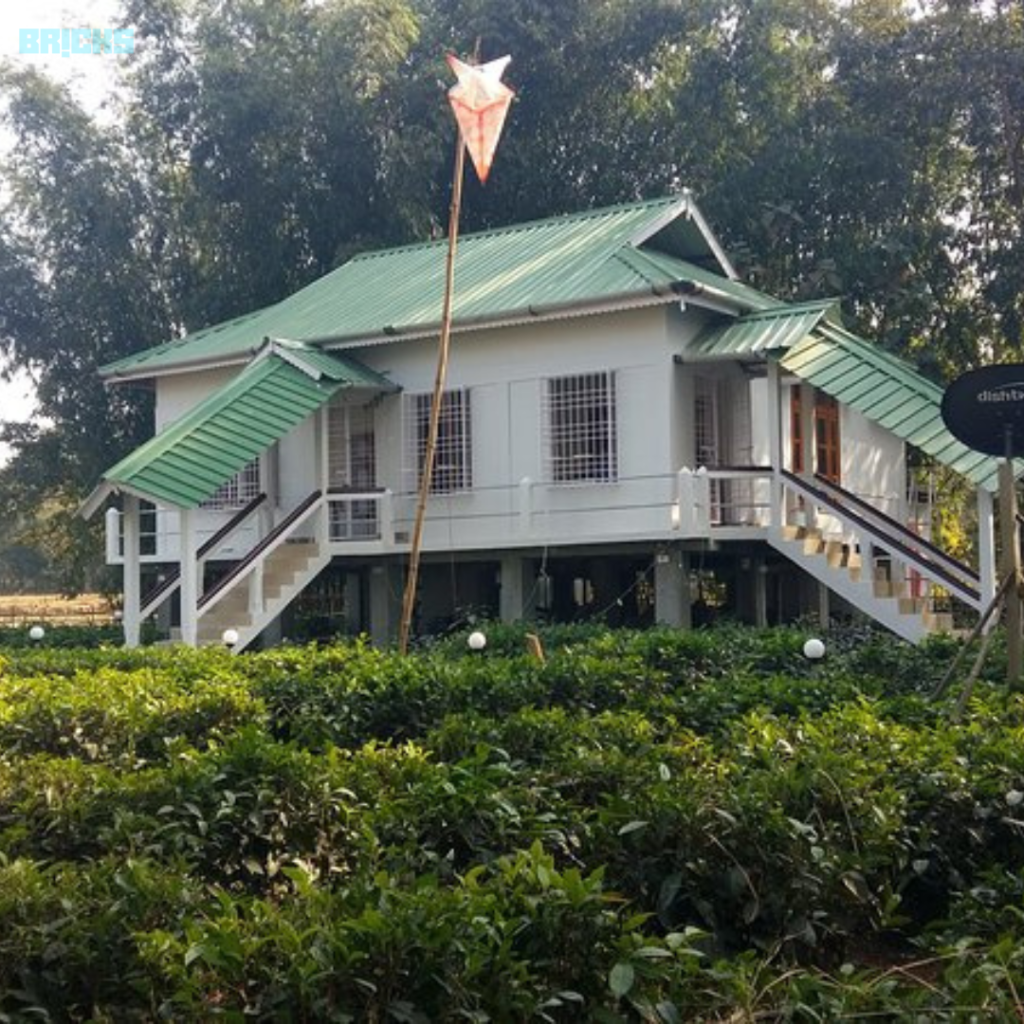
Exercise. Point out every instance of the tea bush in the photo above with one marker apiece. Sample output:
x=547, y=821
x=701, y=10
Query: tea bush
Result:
x=655, y=826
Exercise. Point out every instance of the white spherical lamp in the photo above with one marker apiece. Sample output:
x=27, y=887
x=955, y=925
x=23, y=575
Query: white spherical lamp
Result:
x=476, y=641
x=229, y=637
x=814, y=649
x=36, y=633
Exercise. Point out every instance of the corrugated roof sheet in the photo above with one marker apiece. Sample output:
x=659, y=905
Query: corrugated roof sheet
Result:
x=888, y=393
x=764, y=331
x=185, y=464
x=619, y=253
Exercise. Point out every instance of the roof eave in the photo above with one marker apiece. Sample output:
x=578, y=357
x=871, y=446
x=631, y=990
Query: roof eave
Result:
x=633, y=299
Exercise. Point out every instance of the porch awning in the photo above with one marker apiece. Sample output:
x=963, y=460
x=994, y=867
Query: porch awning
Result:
x=755, y=334
x=185, y=464
x=887, y=392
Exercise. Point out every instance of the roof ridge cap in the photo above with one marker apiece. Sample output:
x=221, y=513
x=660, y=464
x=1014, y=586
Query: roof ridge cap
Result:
x=593, y=212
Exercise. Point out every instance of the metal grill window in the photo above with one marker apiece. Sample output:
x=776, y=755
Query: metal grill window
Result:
x=237, y=492
x=453, y=459
x=580, y=420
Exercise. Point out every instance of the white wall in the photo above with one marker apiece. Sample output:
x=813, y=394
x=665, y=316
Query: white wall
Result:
x=180, y=392
x=506, y=369
x=873, y=462
x=872, y=459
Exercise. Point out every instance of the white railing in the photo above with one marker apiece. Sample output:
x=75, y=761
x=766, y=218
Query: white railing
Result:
x=891, y=555
x=660, y=507
x=359, y=516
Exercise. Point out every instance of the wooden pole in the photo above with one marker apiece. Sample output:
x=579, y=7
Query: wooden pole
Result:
x=1011, y=566
x=996, y=601
x=427, y=471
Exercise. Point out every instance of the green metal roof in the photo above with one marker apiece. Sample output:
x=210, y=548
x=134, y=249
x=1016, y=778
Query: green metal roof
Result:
x=623, y=254
x=763, y=331
x=185, y=464
x=887, y=392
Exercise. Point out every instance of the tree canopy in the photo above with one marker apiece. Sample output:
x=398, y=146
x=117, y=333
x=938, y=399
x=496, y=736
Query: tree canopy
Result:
x=872, y=149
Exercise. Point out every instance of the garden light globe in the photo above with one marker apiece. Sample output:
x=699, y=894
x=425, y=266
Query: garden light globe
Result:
x=814, y=649
x=36, y=633
x=229, y=637
x=477, y=641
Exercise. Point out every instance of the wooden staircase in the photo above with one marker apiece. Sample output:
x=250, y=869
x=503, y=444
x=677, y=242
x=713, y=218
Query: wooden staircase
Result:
x=876, y=591
x=873, y=562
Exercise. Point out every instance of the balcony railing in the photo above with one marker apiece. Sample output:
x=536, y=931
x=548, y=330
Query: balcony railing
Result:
x=356, y=515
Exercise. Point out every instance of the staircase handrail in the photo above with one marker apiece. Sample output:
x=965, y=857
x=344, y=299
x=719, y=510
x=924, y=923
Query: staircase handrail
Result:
x=168, y=585
x=272, y=540
x=895, y=526
x=964, y=591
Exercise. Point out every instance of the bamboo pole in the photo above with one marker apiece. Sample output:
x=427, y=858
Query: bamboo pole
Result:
x=427, y=471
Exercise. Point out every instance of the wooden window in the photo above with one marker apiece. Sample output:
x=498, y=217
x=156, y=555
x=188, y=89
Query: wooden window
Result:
x=579, y=423
x=827, y=453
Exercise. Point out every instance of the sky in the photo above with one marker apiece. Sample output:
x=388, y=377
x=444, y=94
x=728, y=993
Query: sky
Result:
x=89, y=77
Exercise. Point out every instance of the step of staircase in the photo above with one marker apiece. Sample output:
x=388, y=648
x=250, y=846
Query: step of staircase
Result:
x=287, y=571
x=841, y=569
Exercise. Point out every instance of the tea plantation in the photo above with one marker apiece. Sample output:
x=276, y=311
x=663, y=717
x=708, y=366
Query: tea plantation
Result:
x=655, y=826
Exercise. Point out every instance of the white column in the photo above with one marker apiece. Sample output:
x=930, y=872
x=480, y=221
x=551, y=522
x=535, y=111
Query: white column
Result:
x=132, y=586
x=809, y=447
x=987, y=551
x=322, y=449
x=189, y=579
x=775, y=442
x=112, y=521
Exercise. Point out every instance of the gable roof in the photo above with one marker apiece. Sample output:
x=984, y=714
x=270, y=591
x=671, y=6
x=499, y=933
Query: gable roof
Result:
x=888, y=392
x=621, y=256
x=756, y=334
x=810, y=342
x=186, y=464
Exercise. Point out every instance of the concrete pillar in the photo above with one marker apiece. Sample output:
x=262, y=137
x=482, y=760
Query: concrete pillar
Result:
x=353, y=603
x=190, y=582
x=673, y=603
x=760, y=583
x=824, y=610
x=132, y=586
x=517, y=597
x=386, y=587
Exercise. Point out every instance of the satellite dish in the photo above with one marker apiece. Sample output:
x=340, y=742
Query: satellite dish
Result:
x=985, y=409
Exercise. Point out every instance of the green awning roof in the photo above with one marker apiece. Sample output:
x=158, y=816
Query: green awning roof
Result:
x=763, y=331
x=638, y=252
x=887, y=392
x=185, y=464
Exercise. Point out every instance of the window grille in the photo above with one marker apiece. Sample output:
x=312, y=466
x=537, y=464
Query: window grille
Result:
x=237, y=492
x=453, y=457
x=351, y=448
x=580, y=427
x=707, y=429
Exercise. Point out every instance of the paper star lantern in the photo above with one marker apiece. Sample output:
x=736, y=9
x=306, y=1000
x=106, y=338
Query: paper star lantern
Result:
x=480, y=101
